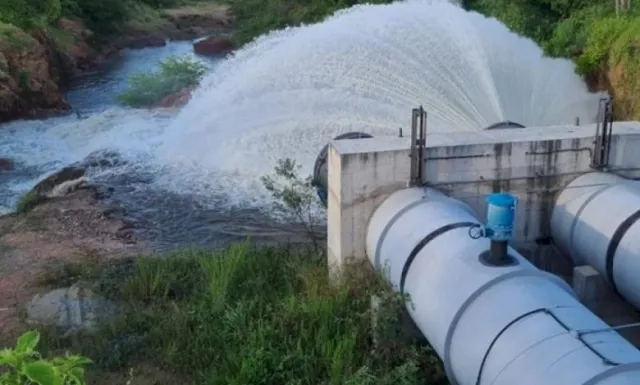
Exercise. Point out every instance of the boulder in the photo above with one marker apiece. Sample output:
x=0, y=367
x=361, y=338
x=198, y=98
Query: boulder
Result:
x=178, y=99
x=70, y=309
x=6, y=164
x=48, y=185
x=143, y=41
x=214, y=46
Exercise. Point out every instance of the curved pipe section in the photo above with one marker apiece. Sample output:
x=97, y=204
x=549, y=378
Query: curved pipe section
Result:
x=321, y=170
x=491, y=325
x=504, y=124
x=596, y=221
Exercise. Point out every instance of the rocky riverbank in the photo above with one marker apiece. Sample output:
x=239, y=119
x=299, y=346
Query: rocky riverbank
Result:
x=64, y=223
x=36, y=67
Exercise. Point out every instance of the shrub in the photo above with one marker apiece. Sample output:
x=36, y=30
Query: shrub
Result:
x=105, y=17
x=295, y=198
x=599, y=42
x=29, y=13
x=175, y=74
x=23, y=365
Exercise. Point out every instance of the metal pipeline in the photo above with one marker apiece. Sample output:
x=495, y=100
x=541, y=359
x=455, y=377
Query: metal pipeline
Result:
x=320, y=169
x=492, y=324
x=595, y=221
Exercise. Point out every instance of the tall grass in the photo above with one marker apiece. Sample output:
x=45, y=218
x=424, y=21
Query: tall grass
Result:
x=248, y=315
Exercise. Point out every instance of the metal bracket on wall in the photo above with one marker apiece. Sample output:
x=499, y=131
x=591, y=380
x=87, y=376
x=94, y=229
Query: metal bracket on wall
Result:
x=418, y=142
x=602, y=138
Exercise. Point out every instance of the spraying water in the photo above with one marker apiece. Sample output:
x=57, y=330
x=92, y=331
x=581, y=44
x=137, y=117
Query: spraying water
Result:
x=288, y=93
x=363, y=70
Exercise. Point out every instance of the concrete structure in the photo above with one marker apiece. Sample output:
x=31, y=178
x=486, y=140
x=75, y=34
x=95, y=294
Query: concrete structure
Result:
x=498, y=321
x=534, y=164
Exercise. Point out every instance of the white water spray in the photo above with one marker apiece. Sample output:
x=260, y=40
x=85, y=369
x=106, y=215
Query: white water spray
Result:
x=364, y=69
x=289, y=92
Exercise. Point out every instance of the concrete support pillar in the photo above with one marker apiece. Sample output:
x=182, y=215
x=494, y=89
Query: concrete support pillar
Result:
x=595, y=293
x=361, y=174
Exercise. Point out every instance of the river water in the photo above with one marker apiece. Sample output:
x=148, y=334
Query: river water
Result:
x=171, y=218
x=193, y=176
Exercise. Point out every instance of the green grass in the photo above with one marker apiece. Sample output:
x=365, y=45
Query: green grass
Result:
x=28, y=201
x=146, y=89
x=248, y=315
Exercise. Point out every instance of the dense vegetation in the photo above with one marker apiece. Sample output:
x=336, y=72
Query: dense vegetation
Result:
x=148, y=88
x=104, y=16
x=248, y=315
x=598, y=35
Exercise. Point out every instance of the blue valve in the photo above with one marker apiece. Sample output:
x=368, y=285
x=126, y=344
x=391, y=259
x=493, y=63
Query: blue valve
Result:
x=501, y=208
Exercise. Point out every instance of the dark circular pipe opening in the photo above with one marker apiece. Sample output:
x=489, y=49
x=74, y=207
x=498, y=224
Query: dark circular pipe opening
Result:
x=504, y=124
x=320, y=169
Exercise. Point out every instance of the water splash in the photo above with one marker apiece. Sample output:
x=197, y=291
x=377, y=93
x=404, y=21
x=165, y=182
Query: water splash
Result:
x=364, y=69
x=288, y=93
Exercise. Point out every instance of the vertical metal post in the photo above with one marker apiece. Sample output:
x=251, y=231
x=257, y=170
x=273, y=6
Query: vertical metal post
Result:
x=602, y=138
x=418, y=141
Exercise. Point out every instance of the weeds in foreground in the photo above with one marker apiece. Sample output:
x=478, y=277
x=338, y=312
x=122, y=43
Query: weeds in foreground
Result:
x=23, y=365
x=248, y=315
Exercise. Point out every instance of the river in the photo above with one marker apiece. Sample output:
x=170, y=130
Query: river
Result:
x=169, y=217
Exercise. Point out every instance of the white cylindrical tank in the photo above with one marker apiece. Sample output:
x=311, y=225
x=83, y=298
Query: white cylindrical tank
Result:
x=595, y=221
x=491, y=325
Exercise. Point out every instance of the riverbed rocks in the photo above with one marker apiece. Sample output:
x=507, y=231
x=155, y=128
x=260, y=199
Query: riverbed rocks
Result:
x=6, y=164
x=70, y=309
x=27, y=86
x=178, y=99
x=214, y=46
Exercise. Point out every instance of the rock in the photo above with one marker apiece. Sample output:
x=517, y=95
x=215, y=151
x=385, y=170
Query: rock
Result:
x=137, y=42
x=75, y=27
x=178, y=99
x=199, y=18
x=6, y=164
x=27, y=85
x=102, y=159
x=214, y=46
x=71, y=309
x=48, y=185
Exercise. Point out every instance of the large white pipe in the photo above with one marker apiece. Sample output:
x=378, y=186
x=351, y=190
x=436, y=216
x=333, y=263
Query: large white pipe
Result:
x=508, y=325
x=595, y=221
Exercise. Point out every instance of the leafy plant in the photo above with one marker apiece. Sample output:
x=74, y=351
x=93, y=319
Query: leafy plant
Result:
x=176, y=73
x=295, y=197
x=23, y=365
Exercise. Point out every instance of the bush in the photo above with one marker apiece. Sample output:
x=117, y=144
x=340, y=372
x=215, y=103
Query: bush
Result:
x=600, y=40
x=295, y=198
x=29, y=13
x=23, y=365
x=569, y=38
x=105, y=17
x=249, y=315
x=175, y=74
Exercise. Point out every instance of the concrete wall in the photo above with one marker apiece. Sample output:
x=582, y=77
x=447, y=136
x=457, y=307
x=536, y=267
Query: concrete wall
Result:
x=533, y=163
